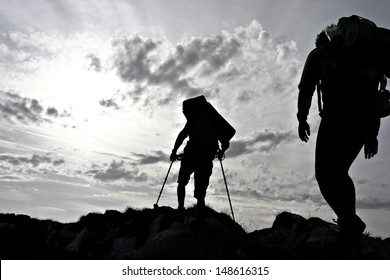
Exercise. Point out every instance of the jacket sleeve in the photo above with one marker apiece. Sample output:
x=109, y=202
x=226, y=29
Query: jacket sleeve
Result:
x=180, y=138
x=374, y=128
x=307, y=85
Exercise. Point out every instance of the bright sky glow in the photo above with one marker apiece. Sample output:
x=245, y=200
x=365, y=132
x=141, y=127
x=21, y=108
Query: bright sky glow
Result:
x=91, y=94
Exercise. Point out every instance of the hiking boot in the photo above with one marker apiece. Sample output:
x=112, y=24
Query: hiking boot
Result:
x=352, y=224
x=200, y=209
x=351, y=229
x=180, y=214
x=200, y=213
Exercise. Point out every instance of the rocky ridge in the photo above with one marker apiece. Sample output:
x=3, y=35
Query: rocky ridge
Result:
x=161, y=234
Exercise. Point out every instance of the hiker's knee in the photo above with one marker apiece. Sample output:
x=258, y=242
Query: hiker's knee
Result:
x=201, y=185
x=182, y=181
x=322, y=175
x=184, y=176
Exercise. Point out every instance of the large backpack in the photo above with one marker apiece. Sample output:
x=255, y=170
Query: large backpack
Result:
x=199, y=104
x=364, y=41
x=366, y=38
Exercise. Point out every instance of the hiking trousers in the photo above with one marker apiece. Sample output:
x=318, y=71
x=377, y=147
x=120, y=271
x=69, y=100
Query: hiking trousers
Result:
x=339, y=141
x=202, y=167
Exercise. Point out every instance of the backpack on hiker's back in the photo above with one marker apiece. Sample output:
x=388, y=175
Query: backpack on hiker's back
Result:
x=365, y=53
x=199, y=104
x=366, y=39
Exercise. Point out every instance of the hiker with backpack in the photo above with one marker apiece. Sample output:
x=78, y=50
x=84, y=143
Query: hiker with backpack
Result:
x=347, y=72
x=205, y=128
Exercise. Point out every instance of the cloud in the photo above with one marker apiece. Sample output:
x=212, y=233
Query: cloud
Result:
x=209, y=54
x=155, y=157
x=372, y=203
x=34, y=160
x=245, y=73
x=14, y=107
x=109, y=103
x=58, y=162
x=117, y=171
x=51, y=111
x=96, y=63
x=26, y=51
x=274, y=194
x=133, y=59
x=271, y=184
x=178, y=69
x=138, y=61
x=265, y=142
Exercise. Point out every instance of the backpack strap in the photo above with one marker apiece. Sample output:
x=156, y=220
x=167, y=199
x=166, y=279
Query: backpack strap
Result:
x=319, y=100
x=383, y=83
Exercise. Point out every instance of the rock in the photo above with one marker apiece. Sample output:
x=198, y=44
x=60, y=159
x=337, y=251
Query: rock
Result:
x=160, y=234
x=289, y=221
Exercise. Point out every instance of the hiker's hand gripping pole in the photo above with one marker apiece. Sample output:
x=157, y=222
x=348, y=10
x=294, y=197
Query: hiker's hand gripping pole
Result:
x=227, y=190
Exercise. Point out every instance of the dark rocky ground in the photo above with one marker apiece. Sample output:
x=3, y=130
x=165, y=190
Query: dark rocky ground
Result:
x=159, y=234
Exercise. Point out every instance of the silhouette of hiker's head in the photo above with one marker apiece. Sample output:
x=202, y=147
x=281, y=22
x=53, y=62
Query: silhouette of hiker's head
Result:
x=332, y=31
x=322, y=39
x=188, y=112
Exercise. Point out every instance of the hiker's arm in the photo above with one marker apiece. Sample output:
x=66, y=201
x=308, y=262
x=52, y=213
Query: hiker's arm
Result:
x=374, y=125
x=180, y=138
x=306, y=88
x=371, y=145
x=225, y=146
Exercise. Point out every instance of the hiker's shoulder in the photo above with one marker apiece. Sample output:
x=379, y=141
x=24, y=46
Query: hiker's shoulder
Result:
x=313, y=56
x=322, y=50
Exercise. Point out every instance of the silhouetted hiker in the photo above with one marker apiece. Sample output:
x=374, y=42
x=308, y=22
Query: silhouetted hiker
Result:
x=348, y=76
x=204, y=128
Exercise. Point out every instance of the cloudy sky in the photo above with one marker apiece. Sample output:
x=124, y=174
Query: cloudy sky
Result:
x=91, y=94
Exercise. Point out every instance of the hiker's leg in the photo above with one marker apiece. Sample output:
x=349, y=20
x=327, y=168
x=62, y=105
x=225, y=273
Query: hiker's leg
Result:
x=181, y=194
x=338, y=145
x=202, y=174
x=186, y=169
x=201, y=203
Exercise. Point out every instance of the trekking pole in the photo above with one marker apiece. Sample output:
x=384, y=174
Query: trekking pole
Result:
x=166, y=177
x=227, y=190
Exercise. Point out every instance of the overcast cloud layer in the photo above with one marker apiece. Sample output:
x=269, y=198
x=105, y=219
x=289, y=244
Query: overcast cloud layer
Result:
x=89, y=115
